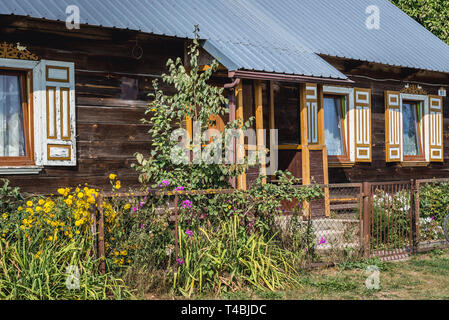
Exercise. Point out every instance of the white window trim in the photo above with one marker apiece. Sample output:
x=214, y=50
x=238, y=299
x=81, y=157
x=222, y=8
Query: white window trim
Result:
x=425, y=120
x=29, y=65
x=350, y=115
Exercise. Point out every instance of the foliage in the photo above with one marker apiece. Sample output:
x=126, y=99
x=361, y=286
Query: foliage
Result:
x=432, y=14
x=10, y=198
x=430, y=230
x=196, y=99
x=228, y=257
x=41, y=238
x=434, y=201
x=390, y=217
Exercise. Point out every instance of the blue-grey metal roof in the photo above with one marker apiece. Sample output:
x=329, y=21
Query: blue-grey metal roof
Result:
x=283, y=36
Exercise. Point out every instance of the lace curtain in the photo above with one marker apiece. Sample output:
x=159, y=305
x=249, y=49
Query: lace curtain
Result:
x=12, y=139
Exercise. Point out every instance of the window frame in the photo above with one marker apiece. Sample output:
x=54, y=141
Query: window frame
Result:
x=346, y=158
x=420, y=130
x=26, y=76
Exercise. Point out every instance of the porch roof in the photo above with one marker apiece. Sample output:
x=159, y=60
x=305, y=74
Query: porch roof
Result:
x=285, y=36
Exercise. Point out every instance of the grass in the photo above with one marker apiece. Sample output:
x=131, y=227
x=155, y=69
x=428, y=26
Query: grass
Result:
x=422, y=277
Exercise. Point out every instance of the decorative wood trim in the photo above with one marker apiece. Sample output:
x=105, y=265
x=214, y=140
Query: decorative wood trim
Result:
x=363, y=139
x=393, y=126
x=304, y=141
x=16, y=51
x=60, y=146
x=61, y=98
x=50, y=79
x=55, y=112
x=436, y=128
x=414, y=89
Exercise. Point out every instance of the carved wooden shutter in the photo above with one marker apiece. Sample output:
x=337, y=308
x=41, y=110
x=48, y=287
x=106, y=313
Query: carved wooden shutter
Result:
x=436, y=128
x=54, y=91
x=362, y=125
x=312, y=112
x=393, y=126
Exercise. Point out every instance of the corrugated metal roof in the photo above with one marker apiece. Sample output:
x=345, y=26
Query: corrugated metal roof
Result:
x=281, y=36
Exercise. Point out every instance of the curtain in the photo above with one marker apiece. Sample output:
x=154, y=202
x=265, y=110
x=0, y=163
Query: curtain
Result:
x=410, y=130
x=12, y=138
x=332, y=127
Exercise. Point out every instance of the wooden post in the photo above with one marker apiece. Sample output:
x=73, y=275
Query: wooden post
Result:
x=304, y=143
x=413, y=221
x=241, y=180
x=258, y=100
x=232, y=116
x=366, y=218
x=176, y=230
x=101, y=246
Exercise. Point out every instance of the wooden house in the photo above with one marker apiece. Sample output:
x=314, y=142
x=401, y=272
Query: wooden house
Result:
x=356, y=88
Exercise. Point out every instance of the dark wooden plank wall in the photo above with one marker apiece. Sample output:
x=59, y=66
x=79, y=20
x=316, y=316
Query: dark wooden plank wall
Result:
x=109, y=131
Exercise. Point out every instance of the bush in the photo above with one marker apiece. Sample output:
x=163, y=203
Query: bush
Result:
x=434, y=201
x=46, y=245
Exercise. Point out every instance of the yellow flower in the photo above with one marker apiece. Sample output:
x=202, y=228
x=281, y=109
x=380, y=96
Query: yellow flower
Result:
x=50, y=238
x=61, y=191
x=41, y=202
x=29, y=203
x=80, y=195
x=127, y=206
x=5, y=216
x=19, y=209
x=112, y=176
x=123, y=252
x=118, y=185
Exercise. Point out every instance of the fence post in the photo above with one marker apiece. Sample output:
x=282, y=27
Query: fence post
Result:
x=176, y=230
x=413, y=220
x=366, y=218
x=101, y=249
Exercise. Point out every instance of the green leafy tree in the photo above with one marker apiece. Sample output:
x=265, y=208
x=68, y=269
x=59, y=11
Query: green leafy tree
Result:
x=194, y=98
x=432, y=14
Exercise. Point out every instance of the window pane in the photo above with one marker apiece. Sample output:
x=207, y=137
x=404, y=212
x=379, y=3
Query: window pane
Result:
x=410, y=130
x=286, y=113
x=12, y=137
x=333, y=131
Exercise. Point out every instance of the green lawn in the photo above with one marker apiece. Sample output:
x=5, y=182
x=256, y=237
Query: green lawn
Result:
x=424, y=276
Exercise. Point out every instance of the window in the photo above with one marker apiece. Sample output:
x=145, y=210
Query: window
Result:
x=37, y=115
x=411, y=130
x=335, y=131
x=15, y=146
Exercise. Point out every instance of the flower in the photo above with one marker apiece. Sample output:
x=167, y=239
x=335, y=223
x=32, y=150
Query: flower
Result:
x=322, y=241
x=127, y=206
x=187, y=204
x=135, y=209
x=29, y=203
x=189, y=232
x=180, y=188
x=180, y=261
x=166, y=183
x=118, y=185
x=112, y=176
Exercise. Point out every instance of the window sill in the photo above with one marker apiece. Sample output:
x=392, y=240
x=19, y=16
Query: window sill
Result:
x=20, y=170
x=408, y=164
x=340, y=164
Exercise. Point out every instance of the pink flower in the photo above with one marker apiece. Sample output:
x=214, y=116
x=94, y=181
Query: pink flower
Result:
x=187, y=204
x=180, y=261
x=180, y=188
x=189, y=232
x=322, y=241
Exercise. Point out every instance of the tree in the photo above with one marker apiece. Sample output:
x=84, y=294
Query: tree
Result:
x=432, y=14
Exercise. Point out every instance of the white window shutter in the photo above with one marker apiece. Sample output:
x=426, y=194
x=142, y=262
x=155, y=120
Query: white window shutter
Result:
x=55, y=123
x=362, y=125
x=393, y=126
x=435, y=128
x=312, y=112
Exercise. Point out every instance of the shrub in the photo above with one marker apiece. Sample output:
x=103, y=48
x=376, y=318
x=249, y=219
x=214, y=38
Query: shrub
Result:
x=434, y=201
x=46, y=243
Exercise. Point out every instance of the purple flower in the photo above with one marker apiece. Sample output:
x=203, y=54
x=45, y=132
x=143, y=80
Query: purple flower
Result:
x=180, y=261
x=322, y=241
x=141, y=226
x=300, y=205
x=305, y=250
x=135, y=209
x=187, y=204
x=165, y=182
x=433, y=218
x=189, y=232
x=180, y=188
x=141, y=204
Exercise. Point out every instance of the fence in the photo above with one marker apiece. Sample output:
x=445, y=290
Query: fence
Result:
x=389, y=220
